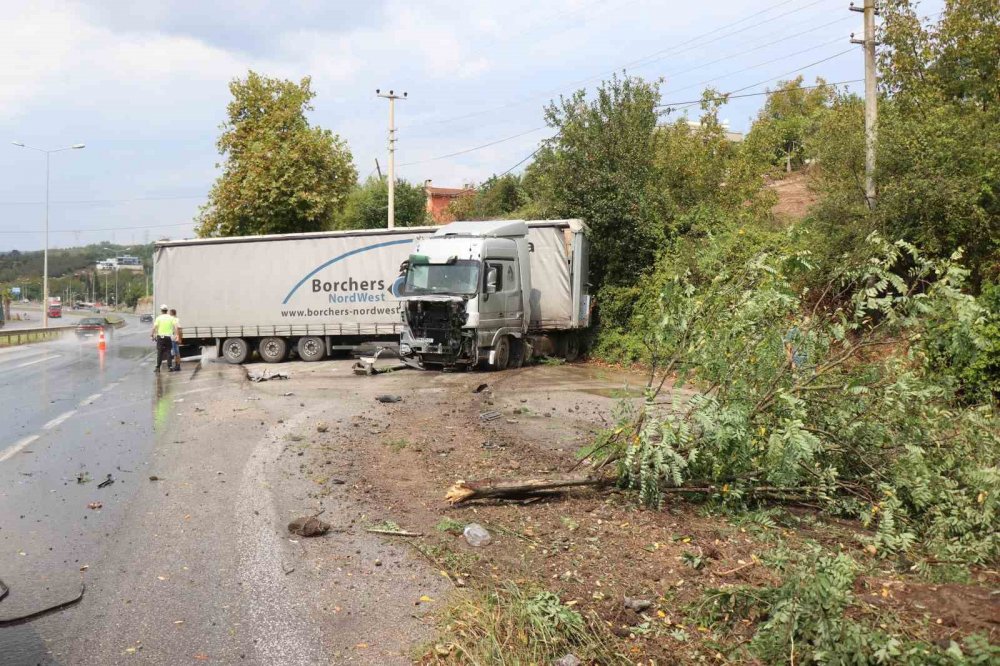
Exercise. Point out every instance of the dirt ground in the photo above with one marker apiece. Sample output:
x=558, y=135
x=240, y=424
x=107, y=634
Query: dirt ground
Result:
x=794, y=196
x=368, y=464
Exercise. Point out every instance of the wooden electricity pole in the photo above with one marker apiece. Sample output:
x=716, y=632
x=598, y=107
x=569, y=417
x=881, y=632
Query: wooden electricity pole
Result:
x=871, y=97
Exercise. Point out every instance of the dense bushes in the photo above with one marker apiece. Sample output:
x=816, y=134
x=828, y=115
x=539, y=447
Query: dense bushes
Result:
x=835, y=405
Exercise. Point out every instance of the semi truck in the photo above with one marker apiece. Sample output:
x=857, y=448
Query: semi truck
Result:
x=315, y=293
x=493, y=294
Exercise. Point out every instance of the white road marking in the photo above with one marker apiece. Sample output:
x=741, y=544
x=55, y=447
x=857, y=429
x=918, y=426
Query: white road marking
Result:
x=111, y=386
x=37, y=360
x=90, y=399
x=20, y=444
x=58, y=420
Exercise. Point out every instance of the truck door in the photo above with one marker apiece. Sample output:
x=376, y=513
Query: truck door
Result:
x=503, y=308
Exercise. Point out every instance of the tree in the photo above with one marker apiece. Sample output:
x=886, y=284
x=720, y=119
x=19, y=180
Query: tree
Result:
x=938, y=141
x=496, y=198
x=599, y=166
x=367, y=206
x=281, y=175
x=789, y=117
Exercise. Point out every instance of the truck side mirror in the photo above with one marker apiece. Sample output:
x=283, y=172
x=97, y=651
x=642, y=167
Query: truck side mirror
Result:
x=491, y=281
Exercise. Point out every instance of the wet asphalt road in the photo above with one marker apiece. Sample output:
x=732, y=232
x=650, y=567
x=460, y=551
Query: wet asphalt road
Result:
x=67, y=411
x=188, y=568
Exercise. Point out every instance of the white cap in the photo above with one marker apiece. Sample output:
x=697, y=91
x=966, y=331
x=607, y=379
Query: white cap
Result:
x=164, y=307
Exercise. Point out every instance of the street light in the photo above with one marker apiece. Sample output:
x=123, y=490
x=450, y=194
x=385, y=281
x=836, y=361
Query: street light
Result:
x=45, y=267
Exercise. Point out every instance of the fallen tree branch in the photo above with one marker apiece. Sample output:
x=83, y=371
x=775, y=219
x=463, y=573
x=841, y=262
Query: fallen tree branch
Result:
x=463, y=491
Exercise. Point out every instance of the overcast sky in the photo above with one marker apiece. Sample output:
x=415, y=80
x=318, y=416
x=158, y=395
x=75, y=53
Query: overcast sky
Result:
x=144, y=85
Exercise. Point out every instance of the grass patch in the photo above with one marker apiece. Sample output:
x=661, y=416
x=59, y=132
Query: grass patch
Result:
x=450, y=526
x=398, y=444
x=512, y=625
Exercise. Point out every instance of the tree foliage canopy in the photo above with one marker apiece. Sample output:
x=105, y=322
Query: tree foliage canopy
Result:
x=367, y=206
x=281, y=175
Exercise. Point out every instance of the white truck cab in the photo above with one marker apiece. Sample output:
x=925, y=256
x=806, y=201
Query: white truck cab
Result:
x=468, y=297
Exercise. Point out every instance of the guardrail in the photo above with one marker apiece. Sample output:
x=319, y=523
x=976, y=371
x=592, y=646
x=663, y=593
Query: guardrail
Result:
x=22, y=336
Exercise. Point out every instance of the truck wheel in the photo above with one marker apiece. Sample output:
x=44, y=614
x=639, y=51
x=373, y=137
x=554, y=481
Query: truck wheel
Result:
x=501, y=354
x=235, y=350
x=273, y=350
x=311, y=348
x=517, y=352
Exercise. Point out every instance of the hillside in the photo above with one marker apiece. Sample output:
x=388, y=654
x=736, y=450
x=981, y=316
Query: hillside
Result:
x=16, y=265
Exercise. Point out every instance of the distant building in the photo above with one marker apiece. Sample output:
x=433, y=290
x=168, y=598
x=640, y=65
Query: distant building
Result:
x=122, y=263
x=439, y=198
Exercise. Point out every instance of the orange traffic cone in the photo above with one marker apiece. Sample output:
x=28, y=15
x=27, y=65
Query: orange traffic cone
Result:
x=101, y=344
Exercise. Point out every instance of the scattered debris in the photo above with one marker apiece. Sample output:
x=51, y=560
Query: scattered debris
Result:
x=287, y=394
x=402, y=533
x=106, y=482
x=568, y=659
x=83, y=477
x=463, y=491
x=476, y=535
x=155, y=478
x=21, y=619
x=638, y=605
x=95, y=505
x=480, y=388
x=389, y=398
x=308, y=526
x=489, y=416
x=322, y=427
x=3, y=590
x=266, y=376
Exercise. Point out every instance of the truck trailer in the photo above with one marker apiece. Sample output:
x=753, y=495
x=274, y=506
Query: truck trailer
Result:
x=315, y=293
x=312, y=293
x=494, y=294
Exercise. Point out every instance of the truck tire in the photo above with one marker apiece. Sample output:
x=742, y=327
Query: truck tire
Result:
x=518, y=351
x=273, y=350
x=501, y=354
x=235, y=350
x=312, y=348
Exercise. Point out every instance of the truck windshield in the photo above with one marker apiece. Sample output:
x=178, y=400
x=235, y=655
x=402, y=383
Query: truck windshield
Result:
x=459, y=278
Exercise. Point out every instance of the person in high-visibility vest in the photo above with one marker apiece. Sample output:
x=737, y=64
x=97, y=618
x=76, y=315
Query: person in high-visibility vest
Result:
x=163, y=335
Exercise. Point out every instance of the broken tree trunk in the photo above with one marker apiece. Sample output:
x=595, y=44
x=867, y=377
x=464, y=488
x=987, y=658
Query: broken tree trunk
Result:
x=463, y=491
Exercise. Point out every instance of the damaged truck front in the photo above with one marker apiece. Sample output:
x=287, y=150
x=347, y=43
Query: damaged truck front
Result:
x=495, y=294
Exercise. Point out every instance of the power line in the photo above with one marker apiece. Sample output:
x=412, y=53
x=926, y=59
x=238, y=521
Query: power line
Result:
x=105, y=201
x=773, y=78
x=725, y=97
x=537, y=129
x=475, y=148
x=656, y=55
x=83, y=231
x=722, y=98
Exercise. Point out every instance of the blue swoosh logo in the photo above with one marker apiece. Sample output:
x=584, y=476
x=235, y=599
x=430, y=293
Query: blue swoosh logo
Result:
x=336, y=259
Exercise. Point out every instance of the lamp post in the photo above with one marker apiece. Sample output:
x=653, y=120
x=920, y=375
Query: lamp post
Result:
x=45, y=261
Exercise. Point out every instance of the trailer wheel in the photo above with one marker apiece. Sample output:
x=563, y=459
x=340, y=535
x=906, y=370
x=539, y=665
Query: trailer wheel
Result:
x=501, y=354
x=235, y=350
x=572, y=347
x=311, y=348
x=273, y=350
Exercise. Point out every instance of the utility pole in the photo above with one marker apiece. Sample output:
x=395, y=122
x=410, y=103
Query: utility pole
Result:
x=392, y=97
x=871, y=97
